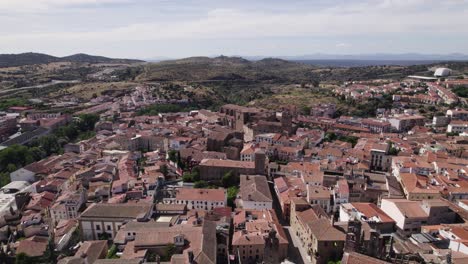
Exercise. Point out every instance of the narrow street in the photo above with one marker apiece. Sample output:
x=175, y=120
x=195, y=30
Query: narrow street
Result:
x=296, y=253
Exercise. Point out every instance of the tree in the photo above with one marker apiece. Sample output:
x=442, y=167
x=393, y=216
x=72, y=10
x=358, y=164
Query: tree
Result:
x=164, y=170
x=87, y=122
x=103, y=236
x=151, y=257
x=4, y=179
x=330, y=136
x=349, y=139
x=112, y=253
x=196, y=174
x=50, y=144
x=316, y=83
x=200, y=184
x=22, y=258
x=392, y=150
x=187, y=177
x=172, y=155
x=231, y=195
x=16, y=155
x=50, y=256
x=229, y=179
x=37, y=153
x=11, y=167
x=169, y=250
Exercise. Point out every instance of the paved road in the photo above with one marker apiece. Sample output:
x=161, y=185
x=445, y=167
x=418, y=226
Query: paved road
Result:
x=296, y=253
x=53, y=82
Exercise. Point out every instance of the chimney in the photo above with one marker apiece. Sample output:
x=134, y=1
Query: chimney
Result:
x=191, y=257
x=84, y=256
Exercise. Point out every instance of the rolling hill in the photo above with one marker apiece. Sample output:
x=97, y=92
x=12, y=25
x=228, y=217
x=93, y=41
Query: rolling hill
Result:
x=224, y=69
x=30, y=58
x=273, y=70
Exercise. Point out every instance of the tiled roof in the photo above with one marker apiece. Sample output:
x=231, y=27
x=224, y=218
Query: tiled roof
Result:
x=255, y=188
x=201, y=194
x=227, y=163
x=130, y=211
x=371, y=210
x=356, y=258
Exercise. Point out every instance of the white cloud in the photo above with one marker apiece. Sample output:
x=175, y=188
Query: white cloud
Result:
x=20, y=6
x=369, y=18
x=343, y=45
x=229, y=23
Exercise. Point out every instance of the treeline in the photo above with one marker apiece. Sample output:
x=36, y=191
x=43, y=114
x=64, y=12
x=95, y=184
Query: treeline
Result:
x=5, y=104
x=461, y=91
x=368, y=108
x=18, y=156
x=331, y=136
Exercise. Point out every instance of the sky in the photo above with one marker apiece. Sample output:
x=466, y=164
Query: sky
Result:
x=180, y=28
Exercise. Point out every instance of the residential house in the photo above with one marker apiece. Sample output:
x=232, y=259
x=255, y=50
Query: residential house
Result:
x=254, y=193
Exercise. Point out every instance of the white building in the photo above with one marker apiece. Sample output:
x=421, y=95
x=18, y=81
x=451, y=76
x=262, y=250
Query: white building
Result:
x=8, y=192
x=321, y=196
x=442, y=72
x=408, y=215
x=458, y=237
x=206, y=199
x=22, y=174
x=457, y=127
x=254, y=193
x=67, y=205
x=340, y=194
x=248, y=153
x=108, y=218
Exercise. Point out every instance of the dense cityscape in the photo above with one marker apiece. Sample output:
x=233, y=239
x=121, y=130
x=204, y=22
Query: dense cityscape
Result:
x=135, y=178
x=233, y=132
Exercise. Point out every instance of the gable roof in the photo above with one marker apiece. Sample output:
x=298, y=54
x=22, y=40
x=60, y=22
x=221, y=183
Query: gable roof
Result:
x=255, y=188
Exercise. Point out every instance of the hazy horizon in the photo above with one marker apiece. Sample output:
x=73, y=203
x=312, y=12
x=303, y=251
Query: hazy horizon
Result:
x=175, y=29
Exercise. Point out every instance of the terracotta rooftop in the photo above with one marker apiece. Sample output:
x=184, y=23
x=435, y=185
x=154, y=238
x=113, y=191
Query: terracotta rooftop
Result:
x=255, y=188
x=228, y=163
x=357, y=258
x=371, y=210
x=201, y=194
x=128, y=211
x=411, y=209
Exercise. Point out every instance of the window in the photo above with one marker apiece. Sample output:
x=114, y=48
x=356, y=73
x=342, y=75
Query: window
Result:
x=98, y=227
x=108, y=227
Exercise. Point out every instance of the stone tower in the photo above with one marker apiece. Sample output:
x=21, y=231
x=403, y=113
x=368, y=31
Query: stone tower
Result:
x=260, y=162
x=286, y=122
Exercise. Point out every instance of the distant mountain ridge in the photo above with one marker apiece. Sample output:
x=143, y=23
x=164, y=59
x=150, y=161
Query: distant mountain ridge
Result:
x=376, y=56
x=30, y=58
x=225, y=68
